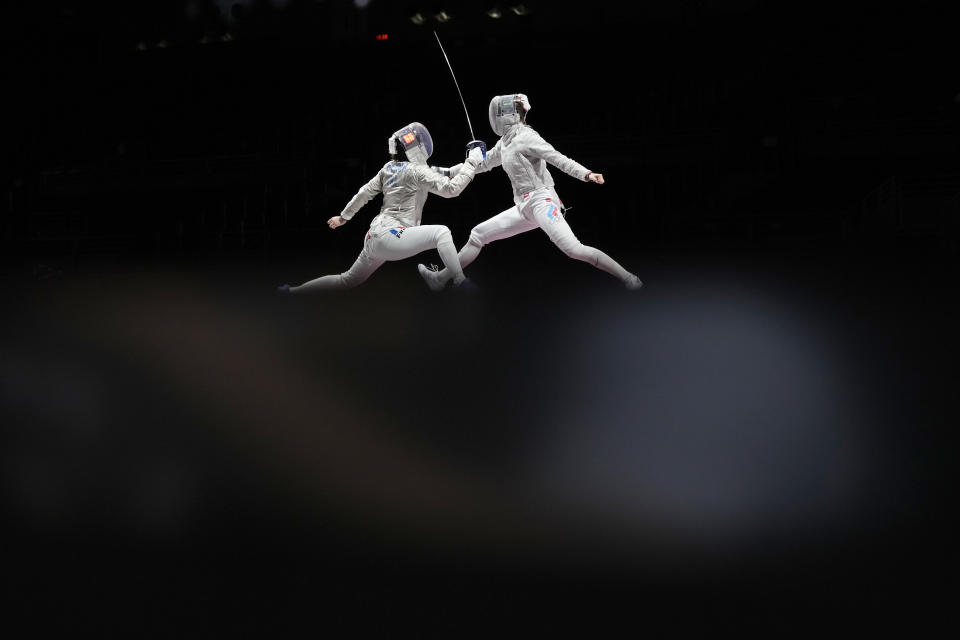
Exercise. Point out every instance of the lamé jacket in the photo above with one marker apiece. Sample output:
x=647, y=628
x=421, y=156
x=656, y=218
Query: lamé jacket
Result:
x=524, y=155
x=405, y=186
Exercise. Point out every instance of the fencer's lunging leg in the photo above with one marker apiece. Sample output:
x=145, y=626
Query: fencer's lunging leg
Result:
x=591, y=255
x=392, y=244
x=448, y=253
x=503, y=225
x=452, y=270
x=470, y=251
x=362, y=268
x=400, y=243
x=552, y=221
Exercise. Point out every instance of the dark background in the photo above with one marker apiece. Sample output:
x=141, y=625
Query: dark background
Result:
x=759, y=439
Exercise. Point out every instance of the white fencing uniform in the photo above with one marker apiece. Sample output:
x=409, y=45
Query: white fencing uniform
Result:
x=524, y=155
x=396, y=232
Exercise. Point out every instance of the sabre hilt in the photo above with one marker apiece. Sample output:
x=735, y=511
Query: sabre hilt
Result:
x=478, y=143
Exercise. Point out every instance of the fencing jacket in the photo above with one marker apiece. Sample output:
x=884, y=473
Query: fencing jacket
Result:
x=405, y=186
x=524, y=155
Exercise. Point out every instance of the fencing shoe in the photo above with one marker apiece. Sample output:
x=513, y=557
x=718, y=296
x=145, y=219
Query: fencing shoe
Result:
x=430, y=276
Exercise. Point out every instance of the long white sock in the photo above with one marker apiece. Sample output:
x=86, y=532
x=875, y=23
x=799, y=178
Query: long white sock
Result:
x=467, y=254
x=611, y=266
x=448, y=253
x=470, y=251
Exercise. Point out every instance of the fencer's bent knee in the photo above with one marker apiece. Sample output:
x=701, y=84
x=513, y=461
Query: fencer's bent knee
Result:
x=476, y=239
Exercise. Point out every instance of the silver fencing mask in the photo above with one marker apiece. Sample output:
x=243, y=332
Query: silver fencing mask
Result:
x=415, y=141
x=504, y=111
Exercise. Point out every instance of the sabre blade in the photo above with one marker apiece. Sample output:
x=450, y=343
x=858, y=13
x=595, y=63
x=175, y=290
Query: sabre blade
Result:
x=472, y=137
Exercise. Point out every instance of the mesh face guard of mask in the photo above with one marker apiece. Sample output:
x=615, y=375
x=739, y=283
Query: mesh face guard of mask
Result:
x=504, y=113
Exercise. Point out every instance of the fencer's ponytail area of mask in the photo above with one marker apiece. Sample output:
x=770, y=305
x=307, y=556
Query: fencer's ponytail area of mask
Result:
x=177, y=436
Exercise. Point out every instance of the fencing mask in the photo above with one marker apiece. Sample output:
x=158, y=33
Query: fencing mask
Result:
x=504, y=111
x=415, y=141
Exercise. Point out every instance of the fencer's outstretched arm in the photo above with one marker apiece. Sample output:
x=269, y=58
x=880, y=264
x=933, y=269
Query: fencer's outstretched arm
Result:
x=447, y=187
x=542, y=149
x=492, y=161
x=365, y=195
x=451, y=187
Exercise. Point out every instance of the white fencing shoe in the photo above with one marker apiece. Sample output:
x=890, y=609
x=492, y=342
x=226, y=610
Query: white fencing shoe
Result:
x=430, y=277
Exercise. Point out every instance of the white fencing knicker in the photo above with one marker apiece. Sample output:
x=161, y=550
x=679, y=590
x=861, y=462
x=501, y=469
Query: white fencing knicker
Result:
x=540, y=208
x=387, y=244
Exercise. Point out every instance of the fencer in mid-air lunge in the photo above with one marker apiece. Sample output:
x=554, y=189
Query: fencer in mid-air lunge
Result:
x=396, y=233
x=524, y=155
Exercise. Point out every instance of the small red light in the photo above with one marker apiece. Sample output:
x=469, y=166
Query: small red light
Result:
x=383, y=36
x=408, y=138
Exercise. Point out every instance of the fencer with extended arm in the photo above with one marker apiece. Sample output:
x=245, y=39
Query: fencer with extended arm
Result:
x=524, y=155
x=396, y=233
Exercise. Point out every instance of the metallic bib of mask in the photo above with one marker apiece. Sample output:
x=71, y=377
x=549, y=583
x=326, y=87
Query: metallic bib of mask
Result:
x=415, y=141
x=503, y=111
